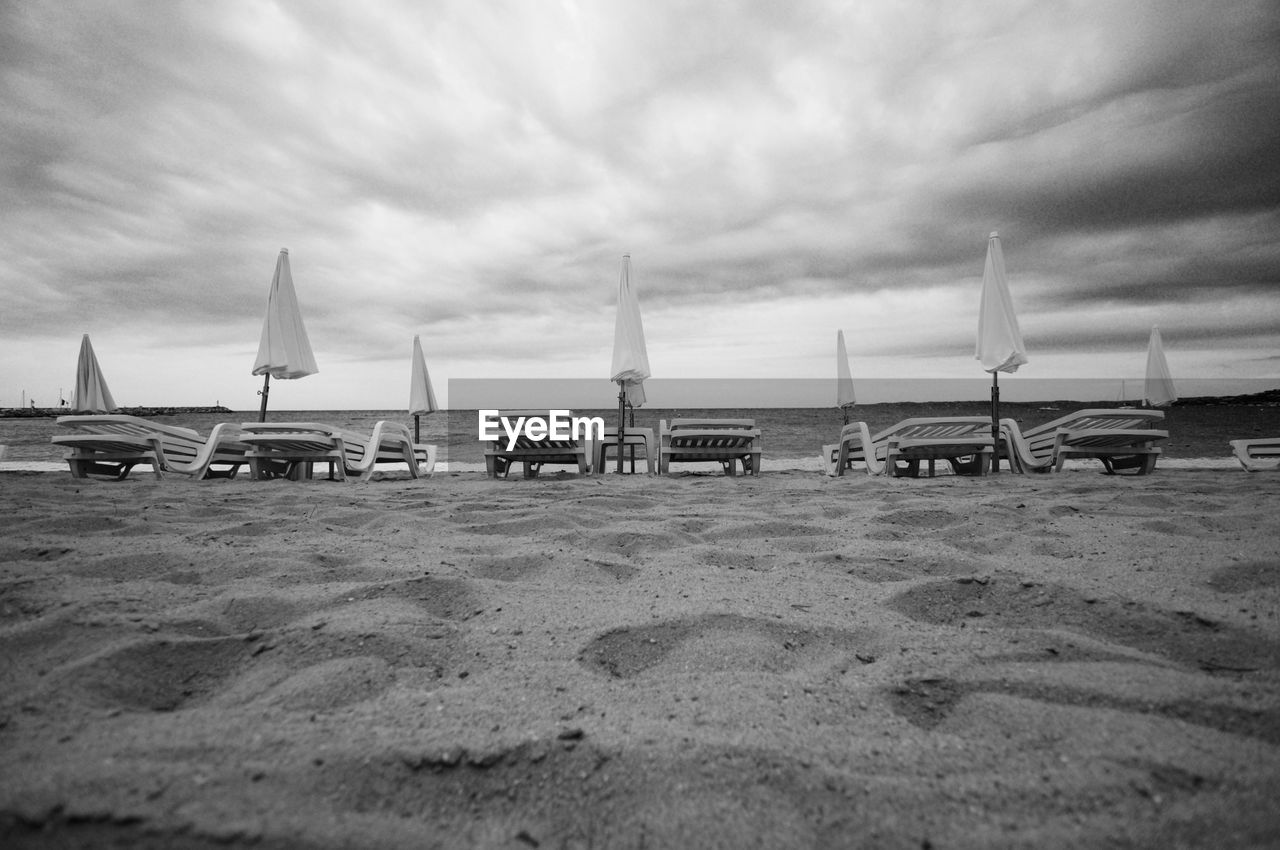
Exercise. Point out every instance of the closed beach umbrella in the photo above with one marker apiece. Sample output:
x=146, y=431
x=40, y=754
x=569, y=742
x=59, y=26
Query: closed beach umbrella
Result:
x=285, y=350
x=91, y=394
x=1159, y=389
x=630, y=358
x=422, y=398
x=844, y=379
x=1000, y=347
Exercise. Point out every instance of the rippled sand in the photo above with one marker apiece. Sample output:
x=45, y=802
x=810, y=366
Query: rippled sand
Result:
x=695, y=661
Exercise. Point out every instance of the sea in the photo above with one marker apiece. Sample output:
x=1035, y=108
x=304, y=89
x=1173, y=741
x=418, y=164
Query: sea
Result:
x=793, y=436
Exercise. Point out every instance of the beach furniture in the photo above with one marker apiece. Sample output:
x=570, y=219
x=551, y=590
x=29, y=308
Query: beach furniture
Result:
x=291, y=449
x=1258, y=455
x=112, y=444
x=727, y=441
x=531, y=452
x=425, y=454
x=1122, y=439
x=632, y=438
x=965, y=442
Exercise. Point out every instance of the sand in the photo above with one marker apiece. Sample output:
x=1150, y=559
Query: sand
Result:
x=790, y=661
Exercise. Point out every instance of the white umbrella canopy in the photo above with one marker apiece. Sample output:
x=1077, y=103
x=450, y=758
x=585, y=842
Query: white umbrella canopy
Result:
x=1000, y=347
x=845, y=397
x=422, y=397
x=630, y=357
x=1158, y=388
x=284, y=350
x=91, y=394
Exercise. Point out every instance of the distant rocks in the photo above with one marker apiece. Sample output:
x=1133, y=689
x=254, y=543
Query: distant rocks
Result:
x=146, y=412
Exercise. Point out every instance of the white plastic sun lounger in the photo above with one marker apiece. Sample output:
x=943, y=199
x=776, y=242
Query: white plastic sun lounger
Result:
x=1258, y=455
x=112, y=444
x=728, y=441
x=965, y=442
x=290, y=449
x=1122, y=439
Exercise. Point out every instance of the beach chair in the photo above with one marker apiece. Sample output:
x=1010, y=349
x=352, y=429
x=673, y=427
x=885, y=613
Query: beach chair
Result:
x=965, y=442
x=1121, y=438
x=112, y=444
x=533, y=453
x=425, y=453
x=1259, y=454
x=291, y=449
x=727, y=441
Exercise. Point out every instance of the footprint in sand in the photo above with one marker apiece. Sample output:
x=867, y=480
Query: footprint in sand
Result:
x=719, y=642
x=1252, y=575
x=926, y=703
x=1181, y=636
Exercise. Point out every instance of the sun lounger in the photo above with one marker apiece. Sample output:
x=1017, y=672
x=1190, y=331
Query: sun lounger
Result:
x=965, y=442
x=1258, y=455
x=426, y=457
x=291, y=449
x=112, y=444
x=727, y=441
x=498, y=458
x=1122, y=439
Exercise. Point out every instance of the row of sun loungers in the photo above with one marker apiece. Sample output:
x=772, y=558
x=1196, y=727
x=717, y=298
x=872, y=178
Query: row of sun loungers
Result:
x=1122, y=439
x=112, y=445
x=729, y=442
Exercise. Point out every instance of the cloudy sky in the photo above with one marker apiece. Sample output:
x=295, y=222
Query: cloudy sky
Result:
x=473, y=171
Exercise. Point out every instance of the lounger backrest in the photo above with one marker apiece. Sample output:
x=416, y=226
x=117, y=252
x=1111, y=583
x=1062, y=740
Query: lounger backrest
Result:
x=178, y=444
x=941, y=427
x=1040, y=440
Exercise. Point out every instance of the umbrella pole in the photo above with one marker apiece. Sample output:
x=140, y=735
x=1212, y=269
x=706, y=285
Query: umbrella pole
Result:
x=622, y=422
x=417, y=429
x=995, y=421
x=266, y=388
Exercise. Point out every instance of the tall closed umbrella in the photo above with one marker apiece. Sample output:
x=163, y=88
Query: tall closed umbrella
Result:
x=844, y=379
x=1158, y=389
x=91, y=394
x=630, y=358
x=284, y=351
x=422, y=398
x=1000, y=346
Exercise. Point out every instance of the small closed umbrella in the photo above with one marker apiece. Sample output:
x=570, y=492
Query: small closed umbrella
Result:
x=1158, y=389
x=844, y=379
x=1000, y=347
x=630, y=357
x=422, y=398
x=91, y=394
x=284, y=350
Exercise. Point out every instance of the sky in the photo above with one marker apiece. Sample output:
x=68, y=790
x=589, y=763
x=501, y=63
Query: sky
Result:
x=472, y=172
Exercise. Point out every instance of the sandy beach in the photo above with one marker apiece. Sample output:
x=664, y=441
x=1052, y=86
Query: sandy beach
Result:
x=695, y=661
